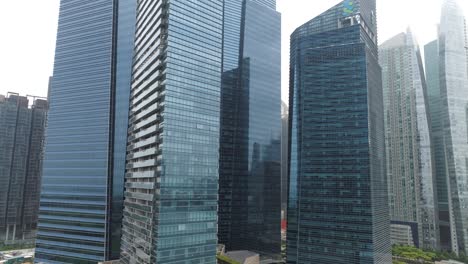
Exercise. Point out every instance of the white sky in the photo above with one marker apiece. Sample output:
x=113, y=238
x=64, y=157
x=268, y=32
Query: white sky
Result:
x=28, y=29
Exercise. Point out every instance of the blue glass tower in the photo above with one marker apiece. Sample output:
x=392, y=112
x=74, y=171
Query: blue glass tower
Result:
x=82, y=188
x=171, y=188
x=250, y=148
x=337, y=211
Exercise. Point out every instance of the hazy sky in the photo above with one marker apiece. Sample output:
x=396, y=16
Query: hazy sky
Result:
x=28, y=29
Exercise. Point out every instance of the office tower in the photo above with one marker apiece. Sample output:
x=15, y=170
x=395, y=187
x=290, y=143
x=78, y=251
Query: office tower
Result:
x=84, y=165
x=338, y=208
x=409, y=151
x=431, y=58
x=448, y=94
x=21, y=148
x=171, y=189
x=250, y=150
x=284, y=159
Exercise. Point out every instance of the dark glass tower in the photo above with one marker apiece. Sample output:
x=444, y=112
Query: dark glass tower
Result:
x=82, y=188
x=171, y=188
x=250, y=158
x=21, y=148
x=338, y=211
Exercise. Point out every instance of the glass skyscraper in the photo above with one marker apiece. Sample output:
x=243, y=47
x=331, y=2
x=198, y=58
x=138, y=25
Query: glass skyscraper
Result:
x=284, y=159
x=171, y=188
x=431, y=58
x=21, y=150
x=82, y=188
x=409, y=150
x=250, y=146
x=338, y=208
x=451, y=123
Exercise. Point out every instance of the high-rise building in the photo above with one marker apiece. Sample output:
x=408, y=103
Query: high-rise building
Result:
x=171, y=188
x=338, y=208
x=284, y=159
x=409, y=151
x=447, y=72
x=250, y=146
x=21, y=148
x=82, y=188
x=431, y=58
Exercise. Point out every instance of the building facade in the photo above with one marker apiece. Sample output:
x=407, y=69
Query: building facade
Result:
x=431, y=58
x=409, y=150
x=171, y=188
x=21, y=150
x=338, y=208
x=250, y=146
x=82, y=188
x=284, y=159
x=451, y=123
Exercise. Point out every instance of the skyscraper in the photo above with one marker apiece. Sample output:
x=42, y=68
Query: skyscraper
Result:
x=171, y=189
x=21, y=149
x=82, y=189
x=250, y=150
x=338, y=208
x=450, y=125
x=409, y=150
x=284, y=158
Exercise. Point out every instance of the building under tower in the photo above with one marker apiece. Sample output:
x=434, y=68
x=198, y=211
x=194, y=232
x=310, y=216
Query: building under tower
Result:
x=21, y=150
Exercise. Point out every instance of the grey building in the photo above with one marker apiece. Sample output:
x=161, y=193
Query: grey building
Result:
x=84, y=163
x=409, y=150
x=431, y=58
x=337, y=208
x=21, y=150
x=284, y=159
x=250, y=143
x=171, y=188
x=447, y=72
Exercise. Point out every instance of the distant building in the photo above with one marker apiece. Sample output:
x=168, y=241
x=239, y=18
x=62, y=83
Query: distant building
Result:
x=401, y=235
x=409, y=151
x=447, y=71
x=337, y=207
x=284, y=160
x=21, y=150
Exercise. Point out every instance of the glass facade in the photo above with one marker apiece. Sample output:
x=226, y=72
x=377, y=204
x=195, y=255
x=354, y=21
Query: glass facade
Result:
x=21, y=148
x=453, y=76
x=171, y=187
x=409, y=149
x=431, y=58
x=250, y=148
x=338, y=208
x=284, y=159
x=86, y=129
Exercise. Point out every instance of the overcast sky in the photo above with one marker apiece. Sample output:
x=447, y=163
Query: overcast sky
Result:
x=28, y=29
